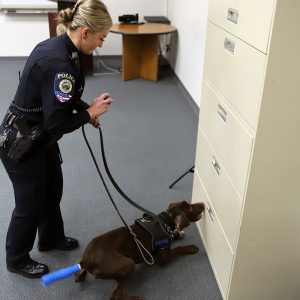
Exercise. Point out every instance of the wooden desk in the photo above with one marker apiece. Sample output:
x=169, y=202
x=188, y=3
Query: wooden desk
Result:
x=140, y=48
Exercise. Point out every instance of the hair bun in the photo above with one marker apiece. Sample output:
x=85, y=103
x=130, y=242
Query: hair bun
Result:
x=65, y=16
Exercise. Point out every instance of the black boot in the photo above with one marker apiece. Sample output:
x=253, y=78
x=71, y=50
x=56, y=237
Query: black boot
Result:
x=29, y=268
x=66, y=244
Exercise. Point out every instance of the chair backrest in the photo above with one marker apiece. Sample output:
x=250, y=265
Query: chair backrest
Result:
x=52, y=23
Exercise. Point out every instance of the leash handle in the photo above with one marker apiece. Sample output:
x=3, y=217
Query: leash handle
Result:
x=142, y=248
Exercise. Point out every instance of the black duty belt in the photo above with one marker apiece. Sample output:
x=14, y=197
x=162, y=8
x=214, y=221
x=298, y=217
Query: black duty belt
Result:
x=27, y=110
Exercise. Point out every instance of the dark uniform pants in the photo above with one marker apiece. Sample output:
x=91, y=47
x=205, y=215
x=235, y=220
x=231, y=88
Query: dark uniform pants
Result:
x=37, y=182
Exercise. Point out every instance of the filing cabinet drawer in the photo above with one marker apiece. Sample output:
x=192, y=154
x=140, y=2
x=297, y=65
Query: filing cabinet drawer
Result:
x=217, y=248
x=222, y=194
x=236, y=70
x=249, y=20
x=227, y=136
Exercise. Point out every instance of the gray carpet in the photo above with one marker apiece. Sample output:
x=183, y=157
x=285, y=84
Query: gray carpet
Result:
x=150, y=137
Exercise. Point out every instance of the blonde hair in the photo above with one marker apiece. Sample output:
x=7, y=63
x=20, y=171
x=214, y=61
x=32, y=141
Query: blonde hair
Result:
x=92, y=14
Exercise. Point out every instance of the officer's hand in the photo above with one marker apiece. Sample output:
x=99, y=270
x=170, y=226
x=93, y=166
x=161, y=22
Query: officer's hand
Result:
x=99, y=106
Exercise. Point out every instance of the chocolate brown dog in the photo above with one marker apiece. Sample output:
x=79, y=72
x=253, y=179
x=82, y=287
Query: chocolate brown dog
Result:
x=113, y=255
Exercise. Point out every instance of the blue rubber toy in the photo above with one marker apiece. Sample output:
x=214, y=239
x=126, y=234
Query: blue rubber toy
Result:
x=60, y=274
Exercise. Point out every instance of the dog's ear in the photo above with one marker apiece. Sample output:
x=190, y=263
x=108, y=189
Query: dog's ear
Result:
x=185, y=206
x=171, y=205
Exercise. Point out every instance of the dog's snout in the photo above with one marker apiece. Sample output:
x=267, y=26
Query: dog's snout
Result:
x=202, y=208
x=199, y=206
x=198, y=209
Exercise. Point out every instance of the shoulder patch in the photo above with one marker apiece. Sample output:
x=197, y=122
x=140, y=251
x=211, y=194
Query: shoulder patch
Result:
x=64, y=86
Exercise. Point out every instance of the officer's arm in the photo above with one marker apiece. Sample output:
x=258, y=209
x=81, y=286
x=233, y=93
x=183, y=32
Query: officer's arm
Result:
x=58, y=92
x=81, y=105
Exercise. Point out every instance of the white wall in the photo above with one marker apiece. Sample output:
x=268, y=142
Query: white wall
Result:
x=21, y=32
x=190, y=18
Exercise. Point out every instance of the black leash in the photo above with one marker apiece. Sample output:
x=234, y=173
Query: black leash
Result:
x=139, y=244
x=147, y=212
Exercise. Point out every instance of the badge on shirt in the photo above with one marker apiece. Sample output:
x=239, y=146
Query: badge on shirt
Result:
x=64, y=86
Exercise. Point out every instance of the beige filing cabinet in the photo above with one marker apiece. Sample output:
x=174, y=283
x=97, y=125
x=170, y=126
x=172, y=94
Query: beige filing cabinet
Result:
x=247, y=168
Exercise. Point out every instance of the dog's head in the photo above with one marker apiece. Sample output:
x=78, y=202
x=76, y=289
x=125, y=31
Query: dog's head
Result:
x=184, y=213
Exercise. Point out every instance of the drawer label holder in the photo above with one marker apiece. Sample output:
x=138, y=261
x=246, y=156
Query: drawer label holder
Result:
x=233, y=15
x=222, y=113
x=229, y=45
x=216, y=166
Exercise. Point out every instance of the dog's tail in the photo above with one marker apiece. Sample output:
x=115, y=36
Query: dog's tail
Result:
x=60, y=274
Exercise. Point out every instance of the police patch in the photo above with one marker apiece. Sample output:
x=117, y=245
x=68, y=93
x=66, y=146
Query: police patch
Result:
x=64, y=86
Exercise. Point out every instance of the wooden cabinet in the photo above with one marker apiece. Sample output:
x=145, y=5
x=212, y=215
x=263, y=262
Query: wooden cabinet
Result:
x=247, y=158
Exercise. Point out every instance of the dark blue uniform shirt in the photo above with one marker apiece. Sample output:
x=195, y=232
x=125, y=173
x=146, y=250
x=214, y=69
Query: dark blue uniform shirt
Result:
x=51, y=79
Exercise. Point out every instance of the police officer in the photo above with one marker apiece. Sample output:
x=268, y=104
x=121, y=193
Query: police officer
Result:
x=49, y=95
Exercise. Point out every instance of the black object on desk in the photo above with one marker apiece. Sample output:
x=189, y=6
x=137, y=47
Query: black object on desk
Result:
x=157, y=19
x=129, y=19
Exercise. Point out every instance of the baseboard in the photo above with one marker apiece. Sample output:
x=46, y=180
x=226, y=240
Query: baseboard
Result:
x=187, y=95
x=163, y=60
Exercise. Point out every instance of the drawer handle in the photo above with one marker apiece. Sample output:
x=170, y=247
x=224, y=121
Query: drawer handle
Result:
x=210, y=213
x=222, y=113
x=229, y=45
x=216, y=166
x=233, y=15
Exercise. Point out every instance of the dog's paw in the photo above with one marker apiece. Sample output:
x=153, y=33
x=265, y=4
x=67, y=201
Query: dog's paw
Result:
x=191, y=249
x=80, y=276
